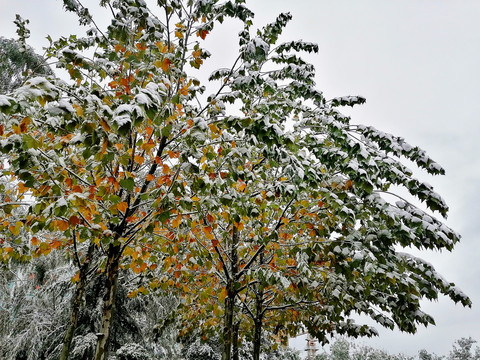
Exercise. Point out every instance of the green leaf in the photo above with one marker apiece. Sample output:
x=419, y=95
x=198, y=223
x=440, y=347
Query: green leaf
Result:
x=127, y=183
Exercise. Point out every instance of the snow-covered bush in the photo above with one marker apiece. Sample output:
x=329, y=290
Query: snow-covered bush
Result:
x=132, y=351
x=201, y=351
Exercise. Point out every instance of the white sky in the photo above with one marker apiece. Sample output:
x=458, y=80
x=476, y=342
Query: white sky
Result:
x=418, y=64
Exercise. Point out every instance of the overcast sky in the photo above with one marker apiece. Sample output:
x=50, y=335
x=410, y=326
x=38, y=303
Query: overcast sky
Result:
x=418, y=64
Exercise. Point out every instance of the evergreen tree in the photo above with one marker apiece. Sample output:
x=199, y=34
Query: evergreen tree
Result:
x=17, y=64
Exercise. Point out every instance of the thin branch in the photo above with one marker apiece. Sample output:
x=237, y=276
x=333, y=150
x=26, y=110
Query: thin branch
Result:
x=77, y=259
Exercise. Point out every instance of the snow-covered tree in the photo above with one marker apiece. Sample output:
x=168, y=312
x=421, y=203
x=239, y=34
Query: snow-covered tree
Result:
x=463, y=350
x=261, y=193
x=17, y=64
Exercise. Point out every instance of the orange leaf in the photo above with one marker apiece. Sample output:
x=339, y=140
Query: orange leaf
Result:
x=214, y=242
x=150, y=177
x=123, y=206
x=35, y=241
x=207, y=230
x=76, y=278
x=197, y=53
x=55, y=243
x=166, y=64
x=202, y=33
x=24, y=124
x=22, y=188
x=163, y=64
x=132, y=294
x=242, y=186
x=139, y=159
x=141, y=47
x=74, y=220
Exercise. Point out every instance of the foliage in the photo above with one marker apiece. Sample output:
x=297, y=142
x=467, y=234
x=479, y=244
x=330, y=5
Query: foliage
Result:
x=17, y=64
x=462, y=350
x=201, y=351
x=261, y=206
x=345, y=349
x=34, y=303
x=132, y=351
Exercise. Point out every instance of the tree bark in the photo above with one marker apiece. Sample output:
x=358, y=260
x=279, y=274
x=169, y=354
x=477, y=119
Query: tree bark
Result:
x=258, y=320
x=228, y=322
x=72, y=324
x=111, y=272
x=235, y=352
x=230, y=298
x=257, y=339
x=77, y=304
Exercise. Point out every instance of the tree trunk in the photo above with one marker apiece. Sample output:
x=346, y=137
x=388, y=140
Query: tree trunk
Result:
x=235, y=353
x=258, y=320
x=77, y=304
x=230, y=298
x=111, y=272
x=72, y=325
x=257, y=339
x=228, y=322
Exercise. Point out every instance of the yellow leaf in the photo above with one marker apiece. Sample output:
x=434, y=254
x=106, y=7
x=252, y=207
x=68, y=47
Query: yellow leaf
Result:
x=239, y=226
x=105, y=125
x=214, y=128
x=222, y=295
x=176, y=221
x=78, y=109
x=148, y=146
x=242, y=186
x=143, y=290
x=15, y=230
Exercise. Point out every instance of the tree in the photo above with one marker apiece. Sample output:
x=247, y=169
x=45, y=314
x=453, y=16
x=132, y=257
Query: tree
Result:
x=17, y=63
x=462, y=350
x=130, y=160
x=425, y=355
x=343, y=349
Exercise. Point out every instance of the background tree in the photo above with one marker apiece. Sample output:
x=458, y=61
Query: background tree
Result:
x=18, y=63
x=463, y=350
